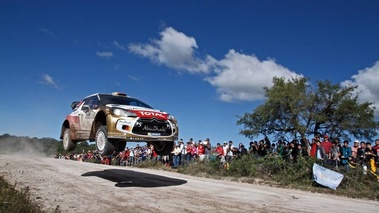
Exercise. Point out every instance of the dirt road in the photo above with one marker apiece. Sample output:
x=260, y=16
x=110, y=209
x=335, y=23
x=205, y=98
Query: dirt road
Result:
x=86, y=187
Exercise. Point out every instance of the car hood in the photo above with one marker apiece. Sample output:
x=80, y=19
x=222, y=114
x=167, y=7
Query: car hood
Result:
x=143, y=112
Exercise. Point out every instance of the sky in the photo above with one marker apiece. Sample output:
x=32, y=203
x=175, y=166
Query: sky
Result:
x=204, y=62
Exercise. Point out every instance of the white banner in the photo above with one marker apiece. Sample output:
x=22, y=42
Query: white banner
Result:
x=326, y=177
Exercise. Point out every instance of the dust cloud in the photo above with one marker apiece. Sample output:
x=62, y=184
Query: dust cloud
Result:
x=25, y=146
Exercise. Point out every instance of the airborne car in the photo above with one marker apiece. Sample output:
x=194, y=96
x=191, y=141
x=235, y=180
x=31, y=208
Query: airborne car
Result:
x=111, y=120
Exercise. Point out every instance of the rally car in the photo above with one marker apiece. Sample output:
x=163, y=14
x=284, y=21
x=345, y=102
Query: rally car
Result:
x=111, y=120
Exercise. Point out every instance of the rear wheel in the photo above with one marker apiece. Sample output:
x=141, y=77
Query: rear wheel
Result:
x=104, y=147
x=163, y=147
x=68, y=144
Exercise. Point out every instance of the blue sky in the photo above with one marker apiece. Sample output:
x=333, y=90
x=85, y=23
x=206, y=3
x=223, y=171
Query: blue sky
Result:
x=205, y=62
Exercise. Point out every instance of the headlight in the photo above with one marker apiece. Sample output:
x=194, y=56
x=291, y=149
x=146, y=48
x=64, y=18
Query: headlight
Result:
x=123, y=112
x=170, y=117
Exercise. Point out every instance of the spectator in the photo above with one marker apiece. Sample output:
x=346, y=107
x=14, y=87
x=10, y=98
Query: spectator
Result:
x=181, y=152
x=320, y=152
x=225, y=148
x=375, y=149
x=194, y=152
x=280, y=148
x=361, y=154
x=355, y=146
x=105, y=160
x=292, y=152
x=312, y=152
x=262, y=149
x=243, y=150
x=236, y=152
x=240, y=147
x=123, y=159
x=370, y=158
x=345, y=154
x=131, y=156
x=326, y=144
x=189, y=148
x=177, y=153
x=154, y=154
x=207, y=150
x=353, y=160
x=219, y=151
x=272, y=150
x=253, y=149
x=201, y=151
x=229, y=152
x=334, y=155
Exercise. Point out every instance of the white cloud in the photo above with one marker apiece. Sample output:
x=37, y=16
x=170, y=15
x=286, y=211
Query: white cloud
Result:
x=44, y=30
x=174, y=49
x=242, y=77
x=236, y=77
x=106, y=55
x=134, y=78
x=118, y=45
x=367, y=82
x=47, y=79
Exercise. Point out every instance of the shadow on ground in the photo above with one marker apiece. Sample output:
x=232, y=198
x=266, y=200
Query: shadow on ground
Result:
x=125, y=178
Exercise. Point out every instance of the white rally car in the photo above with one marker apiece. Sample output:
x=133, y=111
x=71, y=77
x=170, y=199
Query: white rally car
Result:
x=111, y=120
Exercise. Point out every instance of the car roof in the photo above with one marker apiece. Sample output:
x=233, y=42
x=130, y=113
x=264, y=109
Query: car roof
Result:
x=113, y=93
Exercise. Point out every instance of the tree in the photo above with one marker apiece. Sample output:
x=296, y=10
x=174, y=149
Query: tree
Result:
x=293, y=108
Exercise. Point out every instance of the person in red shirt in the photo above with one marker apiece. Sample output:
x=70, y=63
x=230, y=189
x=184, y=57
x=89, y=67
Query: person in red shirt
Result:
x=189, y=148
x=326, y=144
x=154, y=154
x=375, y=149
x=105, y=160
x=314, y=146
x=201, y=151
x=219, y=150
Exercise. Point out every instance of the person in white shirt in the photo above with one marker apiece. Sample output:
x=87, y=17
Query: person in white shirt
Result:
x=182, y=152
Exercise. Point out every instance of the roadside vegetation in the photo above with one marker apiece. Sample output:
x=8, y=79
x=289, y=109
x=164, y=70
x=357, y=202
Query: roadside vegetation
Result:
x=276, y=172
x=14, y=201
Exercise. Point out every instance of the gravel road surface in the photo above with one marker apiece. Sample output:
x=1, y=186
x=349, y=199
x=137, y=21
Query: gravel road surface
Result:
x=87, y=187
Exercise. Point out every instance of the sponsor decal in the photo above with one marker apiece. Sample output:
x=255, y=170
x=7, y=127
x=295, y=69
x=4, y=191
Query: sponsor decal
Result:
x=149, y=128
x=151, y=114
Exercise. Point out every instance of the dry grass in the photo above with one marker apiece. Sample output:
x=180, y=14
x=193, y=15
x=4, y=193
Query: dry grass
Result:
x=14, y=201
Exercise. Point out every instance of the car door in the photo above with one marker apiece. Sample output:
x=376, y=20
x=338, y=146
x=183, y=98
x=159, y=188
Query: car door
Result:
x=87, y=113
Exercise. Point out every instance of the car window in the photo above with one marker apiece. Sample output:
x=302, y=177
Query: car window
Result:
x=110, y=99
x=92, y=102
x=75, y=105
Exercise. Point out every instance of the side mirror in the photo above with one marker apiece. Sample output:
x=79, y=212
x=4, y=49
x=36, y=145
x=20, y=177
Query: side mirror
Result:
x=85, y=108
x=73, y=105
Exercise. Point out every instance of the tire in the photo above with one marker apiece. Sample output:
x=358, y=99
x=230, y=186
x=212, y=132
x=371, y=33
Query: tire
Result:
x=163, y=147
x=68, y=144
x=103, y=146
x=119, y=146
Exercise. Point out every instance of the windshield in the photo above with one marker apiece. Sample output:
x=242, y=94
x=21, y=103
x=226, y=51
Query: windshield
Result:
x=111, y=99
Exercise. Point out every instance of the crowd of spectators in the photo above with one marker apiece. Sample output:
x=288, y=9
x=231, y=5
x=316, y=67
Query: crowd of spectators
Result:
x=327, y=151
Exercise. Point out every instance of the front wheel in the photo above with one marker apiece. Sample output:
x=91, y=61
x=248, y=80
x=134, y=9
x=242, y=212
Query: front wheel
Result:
x=68, y=144
x=163, y=147
x=104, y=147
